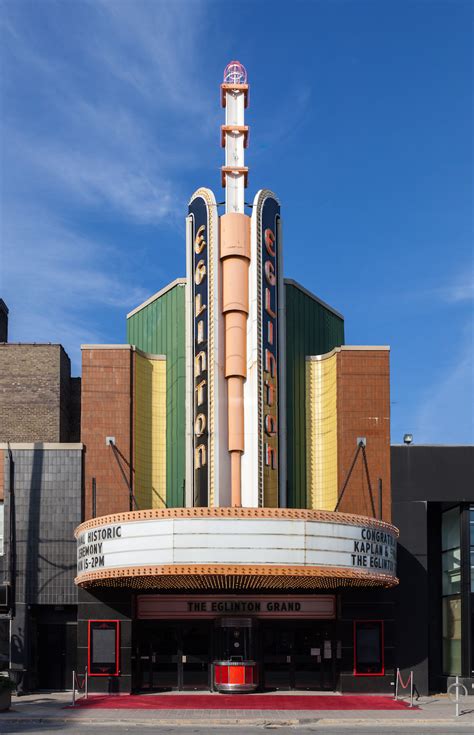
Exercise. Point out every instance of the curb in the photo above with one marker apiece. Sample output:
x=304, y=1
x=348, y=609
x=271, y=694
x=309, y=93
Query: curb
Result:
x=228, y=721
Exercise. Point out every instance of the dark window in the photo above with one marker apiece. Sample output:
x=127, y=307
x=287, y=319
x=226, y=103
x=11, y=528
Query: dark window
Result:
x=451, y=590
x=103, y=648
x=368, y=648
x=471, y=528
x=4, y=645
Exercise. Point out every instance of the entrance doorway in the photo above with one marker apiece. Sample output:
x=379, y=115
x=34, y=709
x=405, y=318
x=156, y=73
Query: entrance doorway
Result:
x=298, y=655
x=292, y=654
x=56, y=649
x=172, y=655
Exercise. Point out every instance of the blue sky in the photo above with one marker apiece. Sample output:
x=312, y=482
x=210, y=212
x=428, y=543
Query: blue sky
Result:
x=361, y=122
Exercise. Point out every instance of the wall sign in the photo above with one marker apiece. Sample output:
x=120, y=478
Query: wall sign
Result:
x=155, y=607
x=200, y=297
x=267, y=249
x=103, y=648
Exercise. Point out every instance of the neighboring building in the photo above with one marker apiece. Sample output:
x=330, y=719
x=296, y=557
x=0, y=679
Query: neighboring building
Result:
x=40, y=504
x=39, y=399
x=433, y=506
x=237, y=506
x=3, y=321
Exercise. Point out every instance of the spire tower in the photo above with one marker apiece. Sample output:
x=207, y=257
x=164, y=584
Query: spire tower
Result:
x=235, y=258
x=234, y=135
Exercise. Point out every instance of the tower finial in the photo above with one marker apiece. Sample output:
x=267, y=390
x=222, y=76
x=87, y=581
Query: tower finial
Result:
x=235, y=73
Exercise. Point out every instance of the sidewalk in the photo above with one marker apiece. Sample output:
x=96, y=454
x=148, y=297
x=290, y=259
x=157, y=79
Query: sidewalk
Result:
x=52, y=707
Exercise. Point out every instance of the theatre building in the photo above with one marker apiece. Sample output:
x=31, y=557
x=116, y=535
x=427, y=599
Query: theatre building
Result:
x=236, y=525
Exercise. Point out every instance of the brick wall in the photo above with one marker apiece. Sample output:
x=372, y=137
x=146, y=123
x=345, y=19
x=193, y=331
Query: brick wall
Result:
x=363, y=400
x=35, y=394
x=107, y=411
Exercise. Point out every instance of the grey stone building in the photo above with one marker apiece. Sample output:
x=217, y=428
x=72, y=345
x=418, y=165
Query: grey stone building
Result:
x=40, y=505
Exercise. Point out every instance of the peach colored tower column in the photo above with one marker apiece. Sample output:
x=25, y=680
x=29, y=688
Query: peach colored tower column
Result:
x=235, y=257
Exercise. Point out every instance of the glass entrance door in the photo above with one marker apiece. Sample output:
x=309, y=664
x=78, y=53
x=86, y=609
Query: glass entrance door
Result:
x=298, y=655
x=314, y=656
x=157, y=657
x=195, y=655
x=276, y=656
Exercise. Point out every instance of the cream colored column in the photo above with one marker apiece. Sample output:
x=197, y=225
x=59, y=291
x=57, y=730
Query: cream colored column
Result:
x=235, y=257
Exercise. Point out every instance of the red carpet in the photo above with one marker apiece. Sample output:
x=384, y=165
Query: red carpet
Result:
x=241, y=701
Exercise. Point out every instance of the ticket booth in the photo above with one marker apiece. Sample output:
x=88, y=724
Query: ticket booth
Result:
x=235, y=644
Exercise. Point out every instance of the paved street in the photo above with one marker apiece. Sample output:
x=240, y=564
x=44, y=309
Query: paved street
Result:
x=48, y=713
x=112, y=729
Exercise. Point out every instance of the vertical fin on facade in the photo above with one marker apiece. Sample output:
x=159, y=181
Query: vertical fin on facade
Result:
x=150, y=431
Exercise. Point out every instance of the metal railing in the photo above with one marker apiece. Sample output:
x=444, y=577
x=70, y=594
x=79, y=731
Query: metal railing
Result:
x=404, y=685
x=456, y=692
x=81, y=683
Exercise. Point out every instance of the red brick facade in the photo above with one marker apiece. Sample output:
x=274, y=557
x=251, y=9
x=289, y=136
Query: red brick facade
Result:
x=107, y=410
x=363, y=397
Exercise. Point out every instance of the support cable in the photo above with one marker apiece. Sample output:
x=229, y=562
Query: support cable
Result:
x=117, y=454
x=360, y=447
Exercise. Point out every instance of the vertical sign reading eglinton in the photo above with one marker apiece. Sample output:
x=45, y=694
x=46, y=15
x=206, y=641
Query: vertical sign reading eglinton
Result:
x=267, y=248
x=200, y=299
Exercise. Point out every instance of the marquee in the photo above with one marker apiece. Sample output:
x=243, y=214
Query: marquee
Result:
x=135, y=543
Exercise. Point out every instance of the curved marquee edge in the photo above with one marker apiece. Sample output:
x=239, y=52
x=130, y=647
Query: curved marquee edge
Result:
x=277, y=513
x=178, y=576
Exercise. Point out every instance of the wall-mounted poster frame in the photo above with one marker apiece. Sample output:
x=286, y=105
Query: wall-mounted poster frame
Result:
x=103, y=642
x=369, y=656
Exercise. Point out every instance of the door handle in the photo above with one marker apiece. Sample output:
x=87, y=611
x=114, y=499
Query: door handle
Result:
x=184, y=659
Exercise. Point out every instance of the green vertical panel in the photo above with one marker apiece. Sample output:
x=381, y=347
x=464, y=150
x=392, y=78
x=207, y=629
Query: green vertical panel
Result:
x=159, y=328
x=311, y=329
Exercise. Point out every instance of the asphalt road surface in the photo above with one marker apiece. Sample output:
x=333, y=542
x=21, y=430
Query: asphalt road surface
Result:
x=117, y=729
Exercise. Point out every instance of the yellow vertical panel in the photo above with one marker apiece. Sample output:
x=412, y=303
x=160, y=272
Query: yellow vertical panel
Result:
x=150, y=432
x=321, y=432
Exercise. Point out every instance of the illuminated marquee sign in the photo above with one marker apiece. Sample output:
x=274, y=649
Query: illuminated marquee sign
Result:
x=200, y=299
x=299, y=542
x=268, y=246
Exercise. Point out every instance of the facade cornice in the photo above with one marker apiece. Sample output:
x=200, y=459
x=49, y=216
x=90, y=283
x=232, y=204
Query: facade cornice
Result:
x=291, y=282
x=157, y=295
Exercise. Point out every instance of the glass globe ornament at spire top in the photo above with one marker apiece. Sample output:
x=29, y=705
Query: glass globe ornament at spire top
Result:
x=235, y=73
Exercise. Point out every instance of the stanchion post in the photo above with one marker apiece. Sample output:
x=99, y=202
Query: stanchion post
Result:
x=457, y=696
x=86, y=683
x=396, y=684
x=73, y=688
x=411, y=688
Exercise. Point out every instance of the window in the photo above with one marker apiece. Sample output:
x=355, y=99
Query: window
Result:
x=452, y=635
x=451, y=551
x=451, y=590
x=368, y=648
x=471, y=540
x=4, y=645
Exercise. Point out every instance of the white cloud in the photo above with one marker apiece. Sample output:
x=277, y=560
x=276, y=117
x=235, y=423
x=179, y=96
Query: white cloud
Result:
x=53, y=280
x=94, y=131
x=457, y=288
x=447, y=407
x=460, y=289
x=95, y=141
